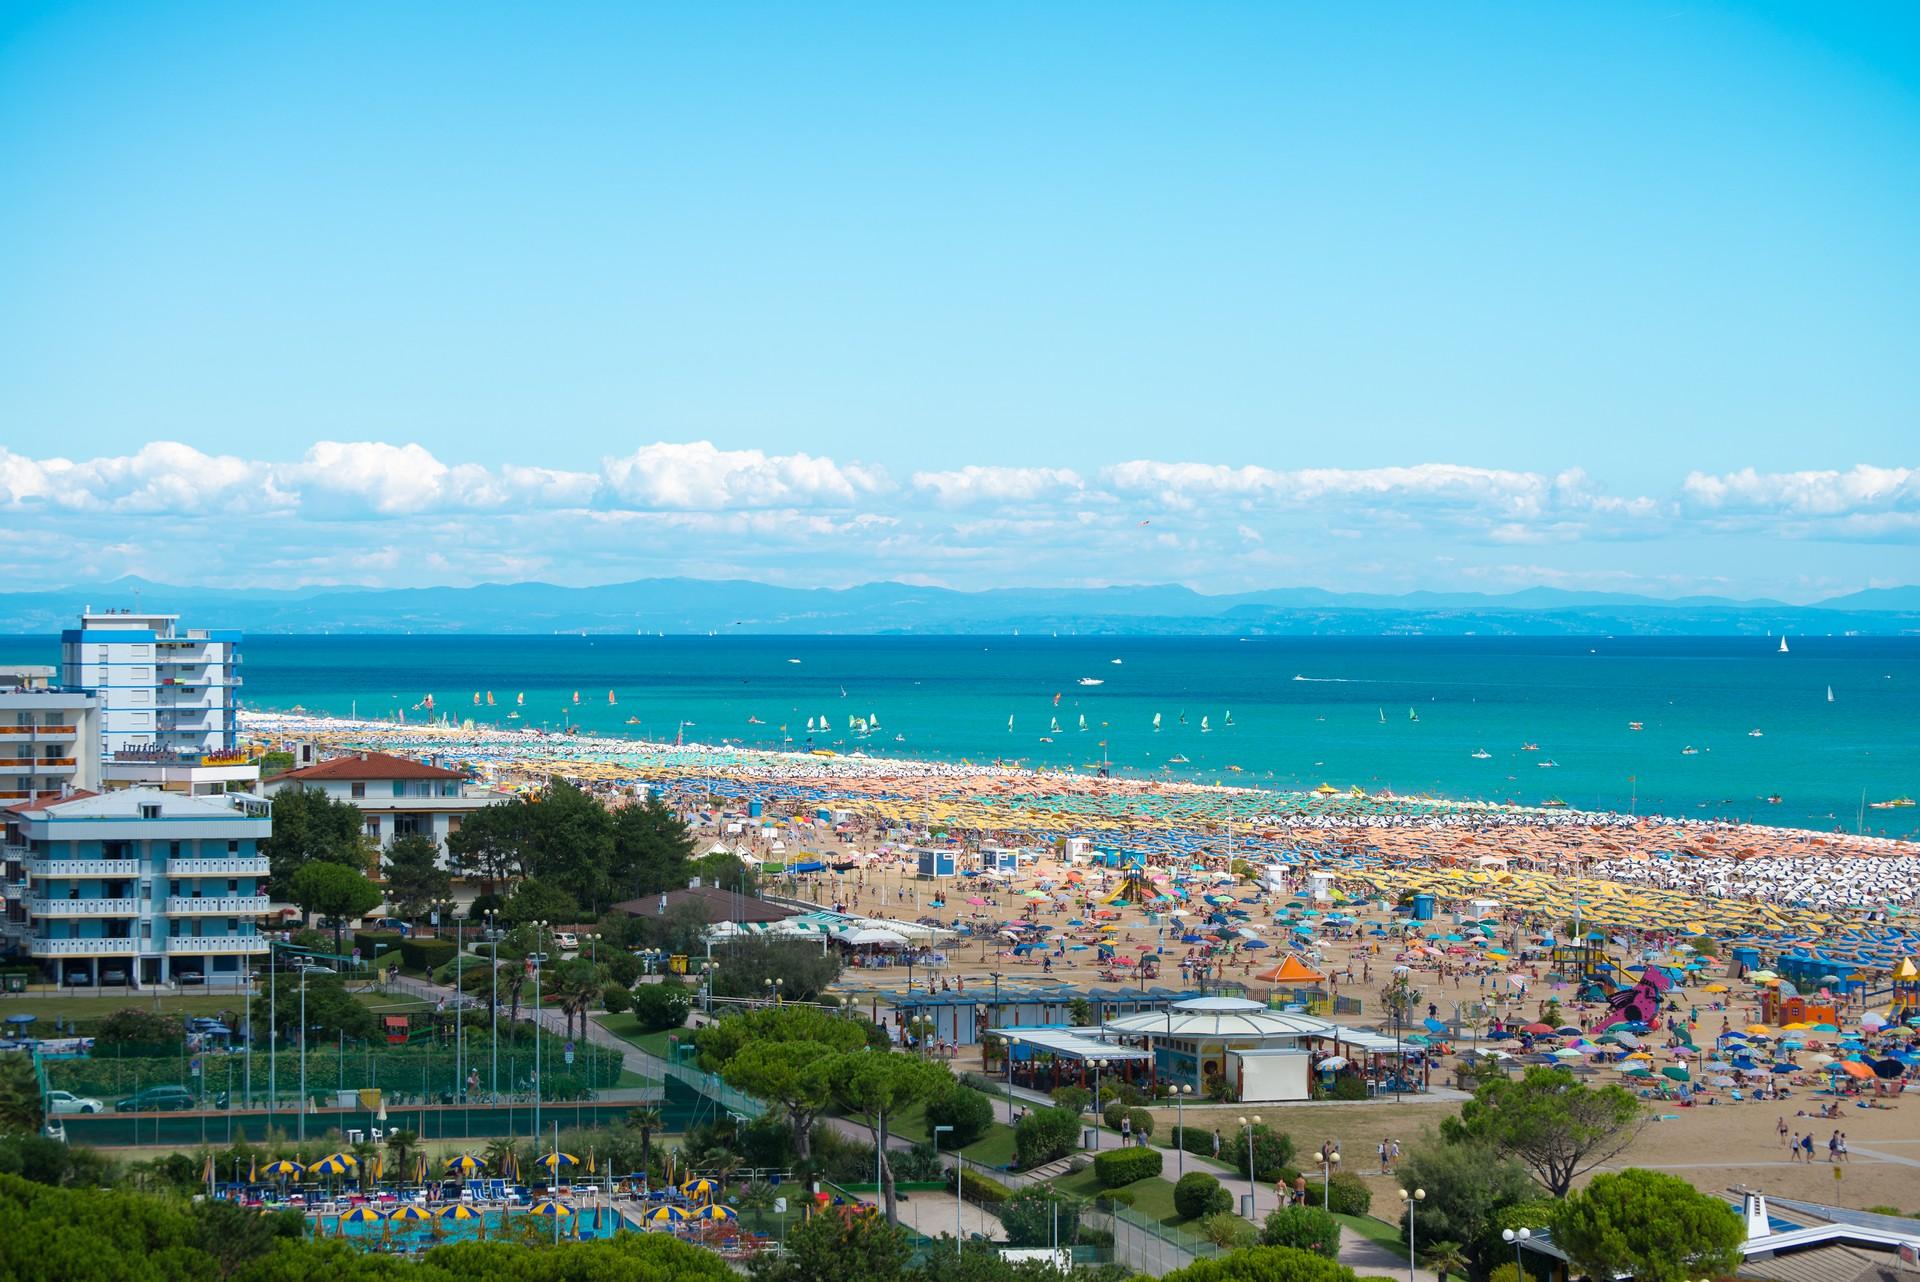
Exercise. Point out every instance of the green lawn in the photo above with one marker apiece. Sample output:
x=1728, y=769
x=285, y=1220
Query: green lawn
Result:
x=1152, y=1198
x=995, y=1148
x=1373, y=1230
x=94, y=1009
x=627, y=1029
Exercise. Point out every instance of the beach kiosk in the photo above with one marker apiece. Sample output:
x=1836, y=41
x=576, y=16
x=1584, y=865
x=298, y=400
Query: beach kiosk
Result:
x=1004, y=859
x=934, y=864
x=1320, y=887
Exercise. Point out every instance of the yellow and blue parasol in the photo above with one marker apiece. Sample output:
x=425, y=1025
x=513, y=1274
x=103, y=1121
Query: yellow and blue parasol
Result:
x=665, y=1215
x=406, y=1213
x=465, y=1164
x=457, y=1211
x=283, y=1169
x=360, y=1215
x=717, y=1212
x=550, y=1207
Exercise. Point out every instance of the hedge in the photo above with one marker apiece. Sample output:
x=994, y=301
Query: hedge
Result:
x=1348, y=1194
x=1199, y=1139
x=1045, y=1135
x=980, y=1189
x=1119, y=1166
x=382, y=942
x=966, y=1110
x=425, y=954
x=1142, y=1120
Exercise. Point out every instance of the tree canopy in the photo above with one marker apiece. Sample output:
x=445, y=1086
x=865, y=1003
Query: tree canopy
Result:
x=1550, y=1122
x=415, y=879
x=334, y=891
x=876, y=1086
x=1653, y=1226
x=310, y=826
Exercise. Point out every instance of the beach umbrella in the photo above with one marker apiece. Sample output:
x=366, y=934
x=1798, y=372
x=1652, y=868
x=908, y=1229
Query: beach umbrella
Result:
x=699, y=1187
x=1636, y=1070
x=665, y=1215
x=361, y=1215
x=457, y=1211
x=283, y=1169
x=554, y=1161
x=407, y=1213
x=1677, y=1072
x=465, y=1164
x=717, y=1212
x=335, y=1164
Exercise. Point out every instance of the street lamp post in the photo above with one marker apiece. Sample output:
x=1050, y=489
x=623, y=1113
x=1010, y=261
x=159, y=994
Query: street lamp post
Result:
x=1098, y=1064
x=246, y=1022
x=1328, y=1160
x=957, y=1191
x=1253, y=1186
x=1180, y=1093
x=493, y=1033
x=303, y=1054
x=539, y=931
x=1516, y=1236
x=459, y=1017
x=1412, y=1201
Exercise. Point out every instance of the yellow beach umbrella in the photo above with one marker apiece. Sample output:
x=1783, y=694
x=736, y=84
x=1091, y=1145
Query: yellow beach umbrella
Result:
x=665, y=1215
x=717, y=1212
x=407, y=1213
x=457, y=1211
x=361, y=1215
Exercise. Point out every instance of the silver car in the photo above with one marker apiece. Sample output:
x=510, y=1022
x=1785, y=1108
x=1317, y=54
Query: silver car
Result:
x=68, y=1102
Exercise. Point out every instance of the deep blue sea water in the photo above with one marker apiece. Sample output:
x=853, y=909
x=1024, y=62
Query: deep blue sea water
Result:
x=951, y=697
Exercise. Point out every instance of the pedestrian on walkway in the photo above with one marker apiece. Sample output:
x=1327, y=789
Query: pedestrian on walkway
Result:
x=1216, y=1143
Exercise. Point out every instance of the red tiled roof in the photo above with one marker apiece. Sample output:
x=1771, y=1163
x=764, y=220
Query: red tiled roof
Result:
x=40, y=801
x=368, y=765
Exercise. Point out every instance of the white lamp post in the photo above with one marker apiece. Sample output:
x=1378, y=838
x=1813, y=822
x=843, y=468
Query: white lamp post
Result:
x=1412, y=1201
x=1098, y=1064
x=1517, y=1236
x=957, y=1173
x=1180, y=1093
x=1253, y=1187
x=1328, y=1160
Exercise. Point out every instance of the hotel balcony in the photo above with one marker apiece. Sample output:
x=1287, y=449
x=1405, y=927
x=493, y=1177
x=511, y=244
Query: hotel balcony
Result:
x=220, y=866
x=83, y=947
x=215, y=943
x=216, y=906
x=83, y=907
x=128, y=868
x=50, y=766
x=38, y=734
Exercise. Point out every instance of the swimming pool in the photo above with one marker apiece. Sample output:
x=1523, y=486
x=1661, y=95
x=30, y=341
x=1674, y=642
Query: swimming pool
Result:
x=588, y=1223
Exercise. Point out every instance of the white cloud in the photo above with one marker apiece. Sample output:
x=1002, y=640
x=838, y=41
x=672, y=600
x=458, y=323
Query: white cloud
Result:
x=1861, y=488
x=1184, y=484
x=977, y=484
x=696, y=475
x=163, y=476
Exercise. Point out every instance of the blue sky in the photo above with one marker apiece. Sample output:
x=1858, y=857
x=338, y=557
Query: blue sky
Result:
x=1399, y=296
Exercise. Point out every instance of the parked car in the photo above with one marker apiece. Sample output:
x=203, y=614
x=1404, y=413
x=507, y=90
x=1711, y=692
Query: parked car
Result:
x=316, y=968
x=68, y=1102
x=568, y=943
x=156, y=1099
x=115, y=976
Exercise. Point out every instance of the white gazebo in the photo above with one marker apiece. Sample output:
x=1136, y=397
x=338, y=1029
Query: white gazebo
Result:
x=1204, y=1037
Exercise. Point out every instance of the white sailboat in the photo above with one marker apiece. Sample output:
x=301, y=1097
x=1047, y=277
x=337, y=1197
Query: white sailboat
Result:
x=1083, y=721
x=1009, y=725
x=1783, y=644
x=1156, y=723
x=1829, y=694
x=873, y=722
x=1229, y=719
x=1383, y=716
x=1053, y=726
x=1204, y=727
x=810, y=725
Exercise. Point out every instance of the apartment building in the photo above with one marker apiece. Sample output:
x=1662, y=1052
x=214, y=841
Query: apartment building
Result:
x=137, y=886
x=398, y=797
x=47, y=735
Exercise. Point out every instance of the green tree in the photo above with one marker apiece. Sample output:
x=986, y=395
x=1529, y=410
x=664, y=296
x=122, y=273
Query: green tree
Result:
x=660, y=1006
x=576, y=987
x=309, y=826
x=796, y=1077
x=646, y=1120
x=720, y=1041
x=1445, y=1258
x=729, y=872
x=1552, y=1124
x=1198, y=1195
x=1469, y=1186
x=401, y=1147
x=569, y=844
x=651, y=849
x=1651, y=1226
x=19, y=1096
x=838, y=1245
x=538, y=900
x=748, y=962
x=875, y=1087
x=415, y=879
x=492, y=843
x=334, y=891
x=966, y=1110
x=1263, y=1264
x=331, y=1012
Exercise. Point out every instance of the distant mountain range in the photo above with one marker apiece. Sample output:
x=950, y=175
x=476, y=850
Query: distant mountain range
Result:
x=698, y=606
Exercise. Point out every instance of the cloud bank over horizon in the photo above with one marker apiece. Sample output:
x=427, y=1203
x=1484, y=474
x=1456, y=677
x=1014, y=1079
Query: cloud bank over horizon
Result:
x=383, y=514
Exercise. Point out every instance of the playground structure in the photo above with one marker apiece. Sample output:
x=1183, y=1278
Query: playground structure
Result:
x=1587, y=965
x=1905, y=991
x=1782, y=1004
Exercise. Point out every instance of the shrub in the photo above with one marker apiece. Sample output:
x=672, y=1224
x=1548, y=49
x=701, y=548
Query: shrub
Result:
x=1119, y=1166
x=966, y=1110
x=1045, y=1135
x=980, y=1189
x=659, y=1007
x=1305, y=1228
x=1347, y=1088
x=1198, y=1194
x=1028, y=1216
x=1348, y=1194
x=377, y=945
x=1196, y=1139
x=1142, y=1120
x=614, y=998
x=1272, y=1151
x=423, y=954
x=1267, y=1263
x=1226, y=1230
x=1075, y=1099
x=1121, y=1197
x=1508, y=1272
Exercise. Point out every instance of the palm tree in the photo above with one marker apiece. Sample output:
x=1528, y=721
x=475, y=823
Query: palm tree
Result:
x=1445, y=1258
x=513, y=977
x=496, y=1154
x=576, y=994
x=19, y=1095
x=401, y=1146
x=646, y=1120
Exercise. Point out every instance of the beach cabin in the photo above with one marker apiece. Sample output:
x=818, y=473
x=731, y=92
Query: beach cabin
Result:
x=1076, y=849
x=934, y=863
x=1320, y=887
x=1004, y=859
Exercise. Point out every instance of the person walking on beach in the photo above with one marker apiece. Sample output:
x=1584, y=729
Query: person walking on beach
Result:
x=1783, y=1128
x=1806, y=1147
x=1793, y=1148
x=1833, y=1148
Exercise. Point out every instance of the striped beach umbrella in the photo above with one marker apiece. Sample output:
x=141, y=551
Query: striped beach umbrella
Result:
x=407, y=1213
x=550, y=1207
x=717, y=1212
x=554, y=1161
x=457, y=1211
x=465, y=1164
x=334, y=1164
x=665, y=1215
x=698, y=1188
x=360, y=1215
x=283, y=1169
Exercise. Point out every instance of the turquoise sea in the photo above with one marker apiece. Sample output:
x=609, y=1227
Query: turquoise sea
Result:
x=1305, y=710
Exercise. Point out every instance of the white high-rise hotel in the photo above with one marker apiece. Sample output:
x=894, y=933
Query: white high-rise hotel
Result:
x=164, y=694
